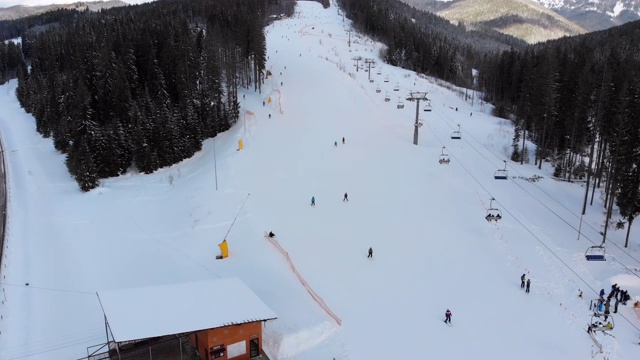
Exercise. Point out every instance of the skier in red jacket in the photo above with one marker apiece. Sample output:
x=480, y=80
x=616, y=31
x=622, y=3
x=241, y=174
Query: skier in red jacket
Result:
x=447, y=316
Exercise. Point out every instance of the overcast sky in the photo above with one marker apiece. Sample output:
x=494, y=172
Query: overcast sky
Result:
x=7, y=3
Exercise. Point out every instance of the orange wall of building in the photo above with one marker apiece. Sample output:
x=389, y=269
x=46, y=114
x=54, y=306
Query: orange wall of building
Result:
x=226, y=336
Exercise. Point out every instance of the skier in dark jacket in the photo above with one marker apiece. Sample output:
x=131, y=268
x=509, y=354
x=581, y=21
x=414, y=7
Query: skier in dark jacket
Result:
x=447, y=316
x=346, y=197
x=528, y=285
x=370, y=253
x=313, y=201
x=522, y=280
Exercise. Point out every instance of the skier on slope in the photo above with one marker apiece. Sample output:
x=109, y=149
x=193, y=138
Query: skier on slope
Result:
x=313, y=201
x=447, y=316
x=522, y=281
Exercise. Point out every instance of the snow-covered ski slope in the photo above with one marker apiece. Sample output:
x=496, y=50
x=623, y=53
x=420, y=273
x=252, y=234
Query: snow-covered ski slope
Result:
x=433, y=249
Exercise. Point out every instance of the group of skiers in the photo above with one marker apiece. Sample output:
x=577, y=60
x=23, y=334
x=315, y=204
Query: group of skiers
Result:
x=620, y=296
x=525, y=283
x=335, y=143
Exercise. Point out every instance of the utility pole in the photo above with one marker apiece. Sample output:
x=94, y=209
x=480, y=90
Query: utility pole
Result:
x=357, y=59
x=417, y=96
x=369, y=61
x=349, y=32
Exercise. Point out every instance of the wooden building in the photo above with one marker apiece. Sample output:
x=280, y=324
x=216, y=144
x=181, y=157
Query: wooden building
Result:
x=222, y=318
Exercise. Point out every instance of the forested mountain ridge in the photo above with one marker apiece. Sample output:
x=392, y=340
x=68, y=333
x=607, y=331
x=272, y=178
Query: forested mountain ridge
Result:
x=21, y=11
x=524, y=19
x=595, y=15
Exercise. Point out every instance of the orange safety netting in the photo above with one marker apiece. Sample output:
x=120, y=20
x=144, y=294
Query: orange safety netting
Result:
x=304, y=283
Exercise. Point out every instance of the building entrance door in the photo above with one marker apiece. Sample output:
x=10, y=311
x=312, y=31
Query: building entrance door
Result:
x=254, y=348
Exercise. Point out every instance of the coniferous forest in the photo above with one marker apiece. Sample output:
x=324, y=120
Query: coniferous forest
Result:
x=142, y=86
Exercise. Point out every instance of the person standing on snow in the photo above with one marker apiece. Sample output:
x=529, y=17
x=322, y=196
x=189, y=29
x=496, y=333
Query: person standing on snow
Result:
x=522, y=280
x=370, y=253
x=343, y=140
x=346, y=197
x=335, y=143
x=313, y=201
x=447, y=316
x=528, y=285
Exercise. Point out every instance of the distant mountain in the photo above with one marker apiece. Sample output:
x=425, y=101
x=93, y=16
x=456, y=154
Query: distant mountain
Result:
x=595, y=14
x=20, y=11
x=524, y=19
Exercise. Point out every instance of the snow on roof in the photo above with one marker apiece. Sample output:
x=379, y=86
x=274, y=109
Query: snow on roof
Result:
x=146, y=312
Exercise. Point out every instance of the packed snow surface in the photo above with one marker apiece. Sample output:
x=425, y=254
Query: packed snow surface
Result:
x=433, y=250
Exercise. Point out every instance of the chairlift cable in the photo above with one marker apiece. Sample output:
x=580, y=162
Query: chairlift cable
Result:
x=448, y=123
x=512, y=216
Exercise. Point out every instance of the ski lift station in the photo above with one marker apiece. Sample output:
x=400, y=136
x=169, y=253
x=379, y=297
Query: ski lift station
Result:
x=221, y=318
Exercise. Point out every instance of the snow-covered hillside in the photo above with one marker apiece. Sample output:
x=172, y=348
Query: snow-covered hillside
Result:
x=433, y=250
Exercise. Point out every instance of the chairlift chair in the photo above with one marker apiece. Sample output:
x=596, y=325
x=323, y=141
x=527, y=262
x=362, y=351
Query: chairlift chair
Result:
x=598, y=324
x=493, y=214
x=386, y=79
x=370, y=80
x=387, y=98
x=427, y=106
x=396, y=88
x=400, y=104
x=379, y=72
x=501, y=174
x=595, y=253
x=457, y=135
x=378, y=90
x=444, y=158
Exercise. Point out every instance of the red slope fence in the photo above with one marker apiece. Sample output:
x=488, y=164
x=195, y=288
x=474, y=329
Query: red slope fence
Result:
x=304, y=283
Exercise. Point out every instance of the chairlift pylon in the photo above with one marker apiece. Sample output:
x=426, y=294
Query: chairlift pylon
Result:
x=457, y=135
x=501, y=174
x=444, y=158
x=595, y=253
x=493, y=213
